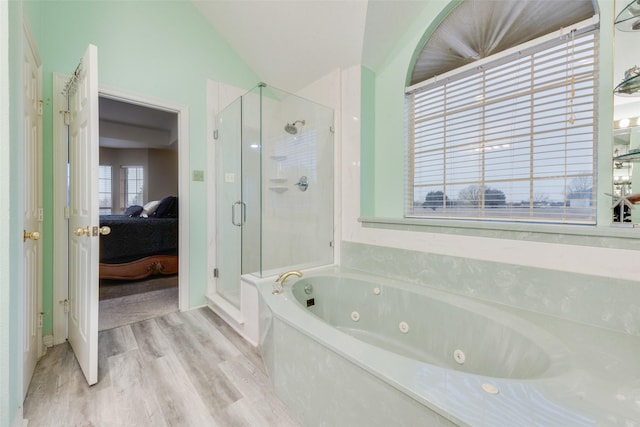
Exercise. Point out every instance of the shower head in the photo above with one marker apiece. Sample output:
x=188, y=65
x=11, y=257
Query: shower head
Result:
x=291, y=127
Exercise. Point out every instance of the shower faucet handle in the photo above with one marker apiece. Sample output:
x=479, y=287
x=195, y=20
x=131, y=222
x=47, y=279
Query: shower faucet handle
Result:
x=303, y=183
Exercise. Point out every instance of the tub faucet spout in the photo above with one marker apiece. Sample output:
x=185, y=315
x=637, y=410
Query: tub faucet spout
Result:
x=277, y=287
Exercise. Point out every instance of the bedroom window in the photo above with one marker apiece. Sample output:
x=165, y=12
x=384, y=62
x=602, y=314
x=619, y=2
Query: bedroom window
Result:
x=132, y=186
x=510, y=136
x=105, y=190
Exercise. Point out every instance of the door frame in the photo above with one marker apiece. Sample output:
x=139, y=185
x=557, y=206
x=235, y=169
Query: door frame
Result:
x=60, y=222
x=29, y=44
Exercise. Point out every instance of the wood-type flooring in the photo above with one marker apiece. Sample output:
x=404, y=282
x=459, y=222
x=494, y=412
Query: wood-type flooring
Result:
x=181, y=369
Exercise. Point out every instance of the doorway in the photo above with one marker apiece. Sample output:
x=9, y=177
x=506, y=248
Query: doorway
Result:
x=60, y=267
x=138, y=189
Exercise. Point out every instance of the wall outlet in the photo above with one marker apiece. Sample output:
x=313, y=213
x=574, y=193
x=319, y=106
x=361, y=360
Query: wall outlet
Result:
x=197, y=175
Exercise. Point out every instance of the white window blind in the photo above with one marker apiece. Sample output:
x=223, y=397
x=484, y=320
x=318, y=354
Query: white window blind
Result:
x=105, y=189
x=513, y=139
x=132, y=186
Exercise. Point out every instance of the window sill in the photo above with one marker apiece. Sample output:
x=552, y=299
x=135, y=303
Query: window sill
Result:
x=612, y=236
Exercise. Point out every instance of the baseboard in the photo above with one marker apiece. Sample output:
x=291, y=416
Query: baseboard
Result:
x=231, y=319
x=229, y=310
x=18, y=421
x=47, y=341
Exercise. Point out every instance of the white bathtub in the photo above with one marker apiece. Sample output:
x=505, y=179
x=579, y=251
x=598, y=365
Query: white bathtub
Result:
x=346, y=349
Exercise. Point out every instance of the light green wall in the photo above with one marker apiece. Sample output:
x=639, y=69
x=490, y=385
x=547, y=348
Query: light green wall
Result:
x=160, y=49
x=390, y=82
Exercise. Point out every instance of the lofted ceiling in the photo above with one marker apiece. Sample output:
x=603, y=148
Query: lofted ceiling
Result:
x=127, y=125
x=291, y=43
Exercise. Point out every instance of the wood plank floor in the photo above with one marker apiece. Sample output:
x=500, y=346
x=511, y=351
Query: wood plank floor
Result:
x=181, y=369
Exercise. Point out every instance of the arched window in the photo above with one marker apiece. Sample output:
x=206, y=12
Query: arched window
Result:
x=502, y=114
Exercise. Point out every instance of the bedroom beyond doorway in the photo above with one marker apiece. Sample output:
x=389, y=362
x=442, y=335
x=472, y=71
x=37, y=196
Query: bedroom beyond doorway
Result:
x=138, y=186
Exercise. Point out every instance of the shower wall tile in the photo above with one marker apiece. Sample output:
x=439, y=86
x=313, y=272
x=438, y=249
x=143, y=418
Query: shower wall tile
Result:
x=593, y=300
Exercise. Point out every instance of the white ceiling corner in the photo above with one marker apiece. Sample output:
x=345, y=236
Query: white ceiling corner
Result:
x=292, y=43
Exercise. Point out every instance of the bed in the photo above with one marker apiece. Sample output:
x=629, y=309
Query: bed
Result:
x=139, y=246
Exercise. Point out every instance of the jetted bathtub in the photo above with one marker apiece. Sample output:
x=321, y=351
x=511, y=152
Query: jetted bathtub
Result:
x=347, y=349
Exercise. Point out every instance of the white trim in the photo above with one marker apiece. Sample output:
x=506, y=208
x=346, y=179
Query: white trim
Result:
x=60, y=159
x=47, y=341
x=223, y=308
x=6, y=286
x=183, y=176
x=26, y=28
x=60, y=223
x=19, y=421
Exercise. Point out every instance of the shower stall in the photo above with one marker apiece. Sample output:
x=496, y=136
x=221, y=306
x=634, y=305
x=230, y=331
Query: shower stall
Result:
x=274, y=192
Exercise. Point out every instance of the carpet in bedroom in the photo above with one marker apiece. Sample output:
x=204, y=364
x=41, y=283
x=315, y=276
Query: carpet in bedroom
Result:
x=128, y=309
x=119, y=288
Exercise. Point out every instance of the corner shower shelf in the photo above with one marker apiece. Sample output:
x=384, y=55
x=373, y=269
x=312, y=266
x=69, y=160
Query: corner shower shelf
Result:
x=631, y=156
x=279, y=189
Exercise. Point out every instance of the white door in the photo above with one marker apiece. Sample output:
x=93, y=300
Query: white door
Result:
x=32, y=201
x=84, y=214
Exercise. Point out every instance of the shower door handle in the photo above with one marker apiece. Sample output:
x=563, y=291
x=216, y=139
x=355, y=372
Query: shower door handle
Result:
x=243, y=213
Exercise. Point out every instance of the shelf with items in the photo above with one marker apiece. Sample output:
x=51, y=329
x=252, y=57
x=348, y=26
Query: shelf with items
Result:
x=629, y=18
x=631, y=156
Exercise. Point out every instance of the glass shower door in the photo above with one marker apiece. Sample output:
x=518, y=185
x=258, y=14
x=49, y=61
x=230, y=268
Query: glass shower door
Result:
x=238, y=195
x=229, y=194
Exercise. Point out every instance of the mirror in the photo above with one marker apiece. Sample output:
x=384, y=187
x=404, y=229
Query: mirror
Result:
x=626, y=130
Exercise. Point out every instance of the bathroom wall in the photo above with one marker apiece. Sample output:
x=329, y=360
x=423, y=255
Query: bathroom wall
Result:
x=141, y=49
x=583, y=274
x=293, y=219
x=160, y=166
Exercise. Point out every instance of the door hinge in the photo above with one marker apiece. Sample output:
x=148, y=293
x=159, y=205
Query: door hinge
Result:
x=41, y=319
x=332, y=129
x=215, y=134
x=41, y=103
x=66, y=115
x=215, y=272
x=66, y=305
x=40, y=214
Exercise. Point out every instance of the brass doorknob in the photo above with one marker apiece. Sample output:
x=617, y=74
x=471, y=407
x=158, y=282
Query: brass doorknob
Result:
x=105, y=229
x=33, y=235
x=82, y=231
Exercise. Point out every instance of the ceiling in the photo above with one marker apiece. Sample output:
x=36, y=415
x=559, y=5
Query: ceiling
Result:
x=289, y=44
x=292, y=43
x=127, y=125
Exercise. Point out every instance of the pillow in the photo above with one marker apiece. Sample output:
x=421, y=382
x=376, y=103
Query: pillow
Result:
x=168, y=208
x=150, y=208
x=133, y=211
